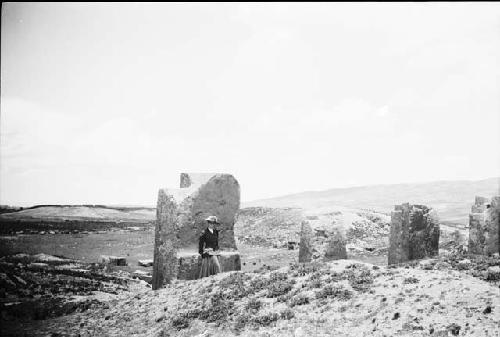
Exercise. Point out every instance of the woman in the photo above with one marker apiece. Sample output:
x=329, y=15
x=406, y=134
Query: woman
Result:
x=209, y=249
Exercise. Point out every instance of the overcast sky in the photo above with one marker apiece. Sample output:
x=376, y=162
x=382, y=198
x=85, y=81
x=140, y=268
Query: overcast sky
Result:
x=106, y=103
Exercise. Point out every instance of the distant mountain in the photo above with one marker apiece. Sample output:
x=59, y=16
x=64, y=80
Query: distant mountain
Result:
x=451, y=199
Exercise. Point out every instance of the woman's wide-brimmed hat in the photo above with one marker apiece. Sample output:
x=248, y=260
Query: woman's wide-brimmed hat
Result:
x=213, y=219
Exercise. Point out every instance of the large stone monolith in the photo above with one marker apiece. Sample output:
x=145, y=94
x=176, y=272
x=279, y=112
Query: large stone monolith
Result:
x=336, y=246
x=180, y=221
x=414, y=233
x=305, y=248
x=484, y=226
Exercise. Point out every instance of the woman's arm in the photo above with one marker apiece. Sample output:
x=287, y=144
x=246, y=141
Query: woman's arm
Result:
x=201, y=245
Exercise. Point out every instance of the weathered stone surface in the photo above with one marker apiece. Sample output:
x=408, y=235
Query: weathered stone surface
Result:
x=181, y=215
x=113, y=260
x=306, y=248
x=166, y=241
x=484, y=226
x=336, y=246
x=414, y=233
x=189, y=179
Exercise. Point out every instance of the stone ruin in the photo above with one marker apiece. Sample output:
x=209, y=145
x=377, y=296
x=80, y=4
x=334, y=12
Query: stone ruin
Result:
x=414, y=233
x=311, y=248
x=180, y=221
x=484, y=226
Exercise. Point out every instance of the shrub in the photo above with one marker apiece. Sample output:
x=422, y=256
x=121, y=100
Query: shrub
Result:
x=181, y=322
x=219, y=309
x=278, y=276
x=287, y=314
x=183, y=319
x=234, y=278
x=241, y=321
x=283, y=298
x=259, y=283
x=266, y=319
x=360, y=279
x=410, y=280
x=236, y=285
x=298, y=300
x=302, y=269
x=279, y=288
x=315, y=283
x=335, y=291
x=254, y=304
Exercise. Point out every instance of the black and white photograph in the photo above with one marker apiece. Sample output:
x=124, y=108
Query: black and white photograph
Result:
x=288, y=169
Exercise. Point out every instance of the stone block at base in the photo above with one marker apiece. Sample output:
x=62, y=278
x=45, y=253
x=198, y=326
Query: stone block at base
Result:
x=113, y=260
x=189, y=264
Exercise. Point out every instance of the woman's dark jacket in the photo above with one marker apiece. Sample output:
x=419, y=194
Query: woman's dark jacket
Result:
x=208, y=240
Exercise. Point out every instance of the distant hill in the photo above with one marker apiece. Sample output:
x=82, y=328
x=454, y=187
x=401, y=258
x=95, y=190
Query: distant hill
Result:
x=451, y=199
x=83, y=212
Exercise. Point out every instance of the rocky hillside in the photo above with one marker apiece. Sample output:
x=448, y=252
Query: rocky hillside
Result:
x=280, y=227
x=340, y=298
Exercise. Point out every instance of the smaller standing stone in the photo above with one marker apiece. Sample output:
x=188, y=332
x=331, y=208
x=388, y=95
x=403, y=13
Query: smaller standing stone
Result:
x=306, y=248
x=336, y=247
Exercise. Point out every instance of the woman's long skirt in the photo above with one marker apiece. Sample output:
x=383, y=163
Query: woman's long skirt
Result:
x=209, y=266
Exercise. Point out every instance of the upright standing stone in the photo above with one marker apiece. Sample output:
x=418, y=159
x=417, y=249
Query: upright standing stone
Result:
x=414, y=233
x=336, y=246
x=306, y=248
x=484, y=226
x=180, y=221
